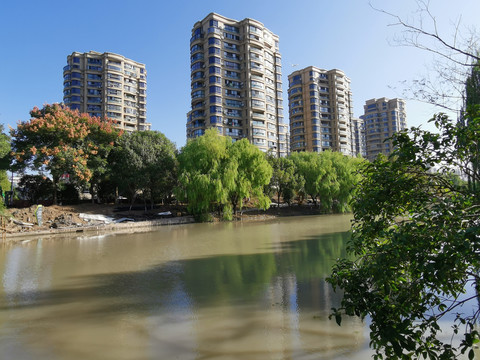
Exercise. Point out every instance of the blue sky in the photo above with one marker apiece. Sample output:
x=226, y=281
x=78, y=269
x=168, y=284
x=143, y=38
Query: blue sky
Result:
x=36, y=37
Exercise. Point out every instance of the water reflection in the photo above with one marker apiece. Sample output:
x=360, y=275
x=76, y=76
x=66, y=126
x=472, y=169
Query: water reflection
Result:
x=203, y=291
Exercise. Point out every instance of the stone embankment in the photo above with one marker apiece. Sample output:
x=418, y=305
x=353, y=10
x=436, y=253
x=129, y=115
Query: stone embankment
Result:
x=124, y=227
x=21, y=223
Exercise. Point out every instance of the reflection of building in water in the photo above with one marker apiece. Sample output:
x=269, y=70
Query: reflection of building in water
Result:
x=174, y=293
x=283, y=312
x=315, y=300
x=300, y=311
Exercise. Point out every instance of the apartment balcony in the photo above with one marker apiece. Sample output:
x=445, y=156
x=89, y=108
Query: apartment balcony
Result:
x=228, y=112
x=256, y=115
x=114, y=68
x=196, y=57
x=256, y=57
x=230, y=48
x=257, y=68
x=199, y=115
x=234, y=58
x=214, y=30
x=259, y=142
x=258, y=105
x=198, y=94
x=196, y=38
x=255, y=39
x=198, y=75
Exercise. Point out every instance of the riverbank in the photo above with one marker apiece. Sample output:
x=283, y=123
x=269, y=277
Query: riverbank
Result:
x=87, y=217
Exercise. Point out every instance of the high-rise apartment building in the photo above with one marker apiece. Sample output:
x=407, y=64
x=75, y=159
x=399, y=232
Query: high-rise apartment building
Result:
x=236, y=82
x=320, y=109
x=358, y=137
x=108, y=86
x=383, y=117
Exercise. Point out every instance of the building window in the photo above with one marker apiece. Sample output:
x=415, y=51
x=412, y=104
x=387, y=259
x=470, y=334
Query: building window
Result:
x=215, y=90
x=215, y=119
x=215, y=99
x=197, y=66
x=216, y=109
x=214, y=80
x=214, y=41
x=231, y=36
x=94, y=77
x=231, y=28
x=214, y=60
x=214, y=70
x=213, y=50
x=94, y=61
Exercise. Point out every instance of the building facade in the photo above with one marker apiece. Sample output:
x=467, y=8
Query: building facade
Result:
x=108, y=86
x=382, y=118
x=236, y=82
x=358, y=137
x=320, y=111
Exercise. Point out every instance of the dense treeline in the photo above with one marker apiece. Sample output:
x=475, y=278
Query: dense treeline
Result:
x=73, y=153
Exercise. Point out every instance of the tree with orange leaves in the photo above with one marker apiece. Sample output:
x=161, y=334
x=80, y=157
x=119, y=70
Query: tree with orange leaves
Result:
x=62, y=141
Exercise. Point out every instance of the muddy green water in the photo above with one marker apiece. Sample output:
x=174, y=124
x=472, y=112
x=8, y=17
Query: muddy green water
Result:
x=199, y=291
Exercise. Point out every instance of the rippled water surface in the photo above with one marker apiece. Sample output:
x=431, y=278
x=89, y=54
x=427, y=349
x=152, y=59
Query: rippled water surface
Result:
x=199, y=291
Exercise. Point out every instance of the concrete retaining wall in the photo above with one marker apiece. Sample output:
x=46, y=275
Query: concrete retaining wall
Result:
x=125, y=227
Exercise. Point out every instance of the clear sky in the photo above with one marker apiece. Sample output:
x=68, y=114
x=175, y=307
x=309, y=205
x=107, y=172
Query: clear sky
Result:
x=36, y=37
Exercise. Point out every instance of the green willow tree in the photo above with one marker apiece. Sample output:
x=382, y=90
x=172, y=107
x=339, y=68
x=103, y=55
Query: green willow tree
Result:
x=416, y=244
x=246, y=172
x=200, y=173
x=329, y=177
x=218, y=174
x=285, y=181
x=318, y=175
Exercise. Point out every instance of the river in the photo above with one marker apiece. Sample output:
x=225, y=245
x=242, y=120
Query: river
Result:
x=199, y=291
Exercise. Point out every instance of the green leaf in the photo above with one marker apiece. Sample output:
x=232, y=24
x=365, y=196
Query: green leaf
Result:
x=338, y=319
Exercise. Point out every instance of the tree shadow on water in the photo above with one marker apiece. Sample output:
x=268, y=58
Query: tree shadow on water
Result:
x=205, y=282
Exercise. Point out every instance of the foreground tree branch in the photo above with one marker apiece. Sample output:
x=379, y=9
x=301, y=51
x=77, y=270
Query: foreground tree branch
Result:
x=454, y=56
x=416, y=237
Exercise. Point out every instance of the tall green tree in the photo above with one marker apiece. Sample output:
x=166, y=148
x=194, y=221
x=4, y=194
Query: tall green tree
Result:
x=246, y=172
x=329, y=177
x=201, y=164
x=5, y=160
x=61, y=141
x=314, y=171
x=35, y=188
x=216, y=173
x=416, y=246
x=145, y=161
x=285, y=181
x=472, y=87
x=472, y=102
x=347, y=170
x=5, y=148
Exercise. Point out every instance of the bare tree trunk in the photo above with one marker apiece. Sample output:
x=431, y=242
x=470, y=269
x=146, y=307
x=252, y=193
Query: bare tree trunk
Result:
x=55, y=182
x=134, y=193
x=278, y=198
